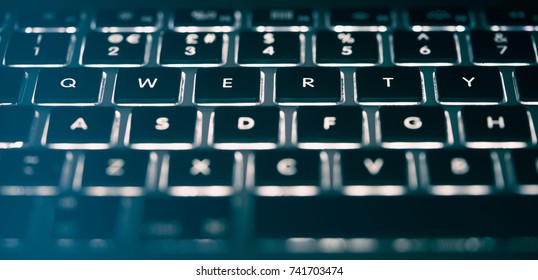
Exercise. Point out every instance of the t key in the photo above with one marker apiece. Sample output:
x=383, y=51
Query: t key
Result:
x=389, y=84
x=469, y=84
x=502, y=47
x=282, y=48
x=308, y=84
x=38, y=48
x=114, y=48
x=424, y=47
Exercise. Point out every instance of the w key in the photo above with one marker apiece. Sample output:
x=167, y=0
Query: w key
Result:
x=424, y=47
x=502, y=47
x=148, y=85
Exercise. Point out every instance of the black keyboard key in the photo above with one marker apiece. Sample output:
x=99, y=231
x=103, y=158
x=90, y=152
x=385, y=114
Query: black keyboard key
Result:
x=438, y=17
x=86, y=218
x=389, y=84
x=525, y=163
x=2, y=19
x=469, y=84
x=329, y=125
x=201, y=168
x=15, y=220
x=246, y=125
x=282, y=17
x=413, y=124
x=31, y=167
x=38, y=48
x=360, y=17
x=227, y=85
x=346, y=47
x=163, y=125
x=395, y=217
x=496, y=124
x=309, y=84
x=287, y=168
x=424, y=47
x=114, y=48
x=502, y=47
x=282, y=48
x=45, y=19
x=123, y=168
x=205, y=18
x=512, y=17
x=125, y=18
x=12, y=81
x=193, y=48
x=148, y=85
x=15, y=124
x=373, y=168
x=187, y=218
x=526, y=83
x=90, y=125
x=68, y=85
x=460, y=167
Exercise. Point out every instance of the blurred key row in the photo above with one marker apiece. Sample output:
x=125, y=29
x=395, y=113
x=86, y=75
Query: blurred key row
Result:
x=275, y=173
x=246, y=86
x=227, y=19
x=269, y=48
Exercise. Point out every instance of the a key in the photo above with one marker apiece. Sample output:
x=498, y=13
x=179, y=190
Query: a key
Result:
x=469, y=84
x=525, y=163
x=163, y=125
x=48, y=19
x=89, y=125
x=201, y=168
x=227, y=85
x=12, y=81
x=502, y=47
x=127, y=18
x=389, y=84
x=496, y=124
x=31, y=167
x=121, y=168
x=373, y=168
x=86, y=218
x=193, y=48
x=186, y=218
x=512, y=17
x=308, y=84
x=526, y=83
x=282, y=17
x=246, y=125
x=15, y=221
x=221, y=19
x=287, y=168
x=38, y=48
x=360, y=17
x=460, y=167
x=15, y=124
x=329, y=125
x=114, y=48
x=438, y=17
x=68, y=85
x=148, y=85
x=412, y=124
x=424, y=47
x=395, y=217
x=282, y=48
x=346, y=47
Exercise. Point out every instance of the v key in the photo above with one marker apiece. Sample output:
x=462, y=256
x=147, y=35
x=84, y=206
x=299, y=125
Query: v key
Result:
x=373, y=167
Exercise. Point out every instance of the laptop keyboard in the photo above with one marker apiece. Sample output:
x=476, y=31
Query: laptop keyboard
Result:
x=226, y=133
